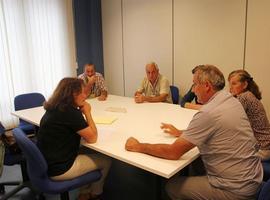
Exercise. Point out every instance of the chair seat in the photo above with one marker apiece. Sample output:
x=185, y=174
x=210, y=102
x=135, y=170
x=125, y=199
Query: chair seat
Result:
x=12, y=159
x=55, y=187
x=37, y=169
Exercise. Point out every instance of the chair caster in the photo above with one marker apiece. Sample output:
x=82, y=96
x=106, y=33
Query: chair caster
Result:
x=40, y=197
x=2, y=189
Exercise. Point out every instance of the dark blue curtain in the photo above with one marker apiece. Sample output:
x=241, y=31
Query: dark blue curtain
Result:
x=88, y=33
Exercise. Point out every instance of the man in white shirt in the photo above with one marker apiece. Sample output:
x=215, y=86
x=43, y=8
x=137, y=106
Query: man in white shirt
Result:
x=154, y=87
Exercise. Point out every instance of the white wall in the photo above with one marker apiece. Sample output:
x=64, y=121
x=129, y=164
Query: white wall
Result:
x=207, y=32
x=113, y=45
x=258, y=47
x=135, y=32
x=147, y=36
x=181, y=34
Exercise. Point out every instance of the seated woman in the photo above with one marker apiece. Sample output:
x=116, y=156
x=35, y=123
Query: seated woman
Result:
x=247, y=91
x=61, y=129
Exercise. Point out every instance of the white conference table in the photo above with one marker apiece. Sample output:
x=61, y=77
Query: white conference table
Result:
x=141, y=121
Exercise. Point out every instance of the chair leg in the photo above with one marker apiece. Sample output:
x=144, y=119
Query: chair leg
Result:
x=2, y=189
x=14, y=191
x=24, y=171
x=64, y=196
x=40, y=197
x=10, y=183
x=20, y=184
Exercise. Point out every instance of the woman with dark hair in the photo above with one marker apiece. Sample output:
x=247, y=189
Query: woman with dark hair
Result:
x=68, y=119
x=247, y=91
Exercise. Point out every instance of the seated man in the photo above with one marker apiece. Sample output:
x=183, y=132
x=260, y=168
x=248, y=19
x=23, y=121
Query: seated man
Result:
x=154, y=87
x=224, y=137
x=95, y=84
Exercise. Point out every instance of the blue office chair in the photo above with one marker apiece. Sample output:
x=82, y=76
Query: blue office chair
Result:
x=24, y=101
x=37, y=170
x=175, y=94
x=13, y=158
x=264, y=193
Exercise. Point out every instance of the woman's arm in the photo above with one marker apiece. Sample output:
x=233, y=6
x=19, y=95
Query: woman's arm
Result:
x=89, y=133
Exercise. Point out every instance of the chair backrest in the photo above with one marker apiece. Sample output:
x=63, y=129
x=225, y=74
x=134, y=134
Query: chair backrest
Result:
x=12, y=154
x=266, y=169
x=2, y=148
x=28, y=100
x=265, y=191
x=175, y=94
x=2, y=129
x=36, y=164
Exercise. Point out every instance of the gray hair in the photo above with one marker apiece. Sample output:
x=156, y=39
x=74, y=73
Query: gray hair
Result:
x=243, y=76
x=212, y=74
x=154, y=64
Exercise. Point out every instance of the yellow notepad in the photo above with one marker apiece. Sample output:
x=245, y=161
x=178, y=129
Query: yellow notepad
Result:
x=104, y=120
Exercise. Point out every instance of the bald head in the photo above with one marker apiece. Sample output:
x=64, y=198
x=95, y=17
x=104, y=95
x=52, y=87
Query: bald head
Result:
x=89, y=69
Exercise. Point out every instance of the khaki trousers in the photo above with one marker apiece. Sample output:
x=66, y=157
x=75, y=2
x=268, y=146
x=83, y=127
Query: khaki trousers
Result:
x=85, y=163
